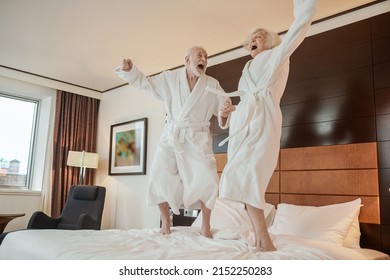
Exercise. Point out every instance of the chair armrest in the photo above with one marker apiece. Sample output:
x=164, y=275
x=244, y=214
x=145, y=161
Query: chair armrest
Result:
x=87, y=222
x=40, y=220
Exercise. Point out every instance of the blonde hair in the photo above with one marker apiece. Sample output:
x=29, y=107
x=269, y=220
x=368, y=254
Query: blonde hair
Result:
x=271, y=38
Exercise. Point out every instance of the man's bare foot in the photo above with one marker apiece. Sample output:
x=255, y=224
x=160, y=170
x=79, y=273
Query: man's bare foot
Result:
x=206, y=232
x=165, y=218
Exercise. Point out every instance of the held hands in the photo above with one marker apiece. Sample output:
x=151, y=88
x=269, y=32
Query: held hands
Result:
x=127, y=64
x=226, y=108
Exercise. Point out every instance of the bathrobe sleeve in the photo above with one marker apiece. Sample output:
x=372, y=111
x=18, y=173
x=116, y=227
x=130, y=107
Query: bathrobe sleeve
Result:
x=155, y=86
x=303, y=14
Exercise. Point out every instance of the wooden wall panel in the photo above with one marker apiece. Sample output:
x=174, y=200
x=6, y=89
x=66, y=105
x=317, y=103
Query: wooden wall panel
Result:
x=384, y=181
x=385, y=210
x=382, y=101
x=231, y=69
x=340, y=38
x=325, y=175
x=383, y=125
x=353, y=156
x=380, y=26
x=230, y=85
x=384, y=154
x=380, y=50
x=340, y=60
x=371, y=236
x=381, y=75
x=335, y=84
x=330, y=109
x=332, y=182
x=385, y=232
x=357, y=130
x=272, y=198
x=221, y=160
x=274, y=184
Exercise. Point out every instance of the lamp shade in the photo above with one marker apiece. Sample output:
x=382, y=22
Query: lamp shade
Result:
x=83, y=159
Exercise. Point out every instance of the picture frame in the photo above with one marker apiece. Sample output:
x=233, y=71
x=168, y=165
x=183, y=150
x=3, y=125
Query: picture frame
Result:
x=128, y=148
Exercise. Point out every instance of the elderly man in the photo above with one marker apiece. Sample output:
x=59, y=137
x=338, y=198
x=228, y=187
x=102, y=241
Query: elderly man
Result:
x=183, y=173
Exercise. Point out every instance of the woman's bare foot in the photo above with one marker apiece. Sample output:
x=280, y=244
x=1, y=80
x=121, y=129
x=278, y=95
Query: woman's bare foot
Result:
x=206, y=214
x=265, y=247
x=165, y=227
x=263, y=241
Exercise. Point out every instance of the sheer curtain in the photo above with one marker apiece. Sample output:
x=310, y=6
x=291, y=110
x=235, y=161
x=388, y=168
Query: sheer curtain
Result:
x=75, y=129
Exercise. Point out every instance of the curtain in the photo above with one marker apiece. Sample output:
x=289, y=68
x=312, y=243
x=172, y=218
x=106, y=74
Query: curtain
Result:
x=75, y=129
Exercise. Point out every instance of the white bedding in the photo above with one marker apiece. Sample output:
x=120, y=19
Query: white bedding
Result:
x=184, y=243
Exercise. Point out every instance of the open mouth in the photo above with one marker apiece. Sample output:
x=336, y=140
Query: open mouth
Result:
x=201, y=66
x=253, y=47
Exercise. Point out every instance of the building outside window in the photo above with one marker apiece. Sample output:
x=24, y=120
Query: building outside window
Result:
x=18, y=117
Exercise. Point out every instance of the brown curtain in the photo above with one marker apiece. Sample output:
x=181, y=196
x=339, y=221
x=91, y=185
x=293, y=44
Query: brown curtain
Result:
x=75, y=129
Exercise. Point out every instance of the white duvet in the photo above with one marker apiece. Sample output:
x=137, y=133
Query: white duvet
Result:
x=184, y=243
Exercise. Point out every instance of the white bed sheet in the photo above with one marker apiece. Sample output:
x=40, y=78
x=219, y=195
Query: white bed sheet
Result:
x=182, y=244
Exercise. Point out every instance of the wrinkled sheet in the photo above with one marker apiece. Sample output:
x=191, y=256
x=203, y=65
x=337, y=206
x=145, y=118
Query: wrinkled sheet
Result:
x=182, y=244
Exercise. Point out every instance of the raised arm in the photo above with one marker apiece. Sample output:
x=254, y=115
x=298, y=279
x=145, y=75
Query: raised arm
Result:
x=303, y=14
x=131, y=74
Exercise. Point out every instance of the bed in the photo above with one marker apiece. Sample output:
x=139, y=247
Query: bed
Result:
x=299, y=233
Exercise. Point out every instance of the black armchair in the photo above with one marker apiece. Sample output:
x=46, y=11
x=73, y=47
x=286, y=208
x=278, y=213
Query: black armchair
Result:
x=83, y=210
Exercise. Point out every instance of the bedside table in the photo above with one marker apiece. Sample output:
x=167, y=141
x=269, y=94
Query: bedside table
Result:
x=6, y=218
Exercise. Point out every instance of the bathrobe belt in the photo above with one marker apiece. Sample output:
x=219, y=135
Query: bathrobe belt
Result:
x=253, y=96
x=180, y=130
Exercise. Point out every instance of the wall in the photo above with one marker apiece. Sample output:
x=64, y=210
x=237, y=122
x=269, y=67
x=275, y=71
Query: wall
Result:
x=338, y=92
x=125, y=206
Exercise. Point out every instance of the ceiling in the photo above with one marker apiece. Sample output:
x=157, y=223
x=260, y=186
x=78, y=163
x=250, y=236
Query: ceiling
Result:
x=81, y=42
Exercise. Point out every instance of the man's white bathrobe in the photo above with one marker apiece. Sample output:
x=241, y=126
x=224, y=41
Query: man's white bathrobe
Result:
x=183, y=171
x=256, y=125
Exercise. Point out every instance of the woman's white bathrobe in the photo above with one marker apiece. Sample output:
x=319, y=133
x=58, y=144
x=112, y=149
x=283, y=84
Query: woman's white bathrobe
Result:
x=183, y=171
x=255, y=126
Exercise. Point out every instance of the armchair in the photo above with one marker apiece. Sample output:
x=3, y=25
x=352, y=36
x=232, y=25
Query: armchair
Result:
x=83, y=210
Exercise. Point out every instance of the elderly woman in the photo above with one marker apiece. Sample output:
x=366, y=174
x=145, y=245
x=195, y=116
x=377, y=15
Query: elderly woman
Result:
x=256, y=124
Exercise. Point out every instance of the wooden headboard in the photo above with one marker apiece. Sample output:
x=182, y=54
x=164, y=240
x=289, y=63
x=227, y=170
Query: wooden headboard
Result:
x=325, y=175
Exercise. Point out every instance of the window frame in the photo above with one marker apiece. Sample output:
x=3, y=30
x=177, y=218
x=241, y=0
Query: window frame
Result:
x=33, y=140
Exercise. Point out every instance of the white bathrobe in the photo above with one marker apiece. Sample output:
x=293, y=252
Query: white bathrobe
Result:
x=256, y=125
x=183, y=171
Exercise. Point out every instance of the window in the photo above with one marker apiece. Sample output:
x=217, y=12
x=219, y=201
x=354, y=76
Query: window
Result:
x=18, y=116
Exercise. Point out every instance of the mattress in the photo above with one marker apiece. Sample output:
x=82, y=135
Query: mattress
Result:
x=184, y=243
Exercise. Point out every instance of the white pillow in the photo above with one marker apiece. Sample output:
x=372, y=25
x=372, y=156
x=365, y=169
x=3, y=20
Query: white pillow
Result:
x=352, y=240
x=228, y=214
x=329, y=223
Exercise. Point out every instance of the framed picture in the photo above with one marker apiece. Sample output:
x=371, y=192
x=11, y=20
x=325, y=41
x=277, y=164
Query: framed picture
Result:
x=128, y=148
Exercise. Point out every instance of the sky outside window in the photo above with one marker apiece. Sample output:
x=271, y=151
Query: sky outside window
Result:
x=17, y=120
